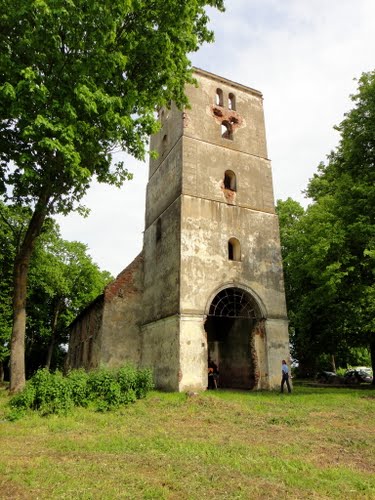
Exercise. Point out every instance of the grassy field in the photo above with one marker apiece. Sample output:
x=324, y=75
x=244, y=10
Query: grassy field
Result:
x=317, y=443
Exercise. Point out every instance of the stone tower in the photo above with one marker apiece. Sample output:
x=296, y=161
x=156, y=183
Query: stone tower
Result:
x=212, y=276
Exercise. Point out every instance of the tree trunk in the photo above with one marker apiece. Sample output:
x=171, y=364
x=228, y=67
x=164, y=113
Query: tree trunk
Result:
x=51, y=347
x=333, y=363
x=52, y=343
x=20, y=273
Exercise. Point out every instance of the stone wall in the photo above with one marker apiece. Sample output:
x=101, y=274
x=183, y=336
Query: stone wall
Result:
x=85, y=334
x=161, y=352
x=210, y=224
x=120, y=338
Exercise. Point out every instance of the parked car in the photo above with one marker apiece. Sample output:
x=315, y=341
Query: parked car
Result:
x=358, y=375
x=325, y=377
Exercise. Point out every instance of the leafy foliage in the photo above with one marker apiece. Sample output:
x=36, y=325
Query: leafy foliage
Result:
x=81, y=80
x=329, y=249
x=52, y=393
x=63, y=280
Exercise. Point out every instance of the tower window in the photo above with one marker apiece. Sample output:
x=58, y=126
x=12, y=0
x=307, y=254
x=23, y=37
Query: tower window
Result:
x=234, y=249
x=219, y=98
x=226, y=130
x=231, y=101
x=158, y=230
x=164, y=144
x=230, y=180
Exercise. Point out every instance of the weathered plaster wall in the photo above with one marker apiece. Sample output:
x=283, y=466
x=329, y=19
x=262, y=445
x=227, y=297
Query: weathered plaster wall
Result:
x=277, y=348
x=211, y=214
x=154, y=312
x=161, y=352
x=204, y=168
x=203, y=125
x=171, y=127
x=121, y=340
x=260, y=345
x=193, y=357
x=206, y=229
x=85, y=337
x=164, y=186
x=162, y=266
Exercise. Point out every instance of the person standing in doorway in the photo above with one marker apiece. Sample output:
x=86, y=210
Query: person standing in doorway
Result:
x=285, y=376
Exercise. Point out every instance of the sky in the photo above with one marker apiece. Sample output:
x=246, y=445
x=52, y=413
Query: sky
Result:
x=304, y=56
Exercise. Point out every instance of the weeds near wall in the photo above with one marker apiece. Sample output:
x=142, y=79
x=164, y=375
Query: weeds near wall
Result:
x=52, y=393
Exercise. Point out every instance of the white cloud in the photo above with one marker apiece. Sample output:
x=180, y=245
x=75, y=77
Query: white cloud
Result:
x=303, y=56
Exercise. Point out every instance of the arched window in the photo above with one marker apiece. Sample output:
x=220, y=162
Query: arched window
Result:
x=226, y=130
x=234, y=249
x=219, y=98
x=230, y=180
x=231, y=101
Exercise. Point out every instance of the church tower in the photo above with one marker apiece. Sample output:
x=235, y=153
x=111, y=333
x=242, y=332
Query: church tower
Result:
x=212, y=281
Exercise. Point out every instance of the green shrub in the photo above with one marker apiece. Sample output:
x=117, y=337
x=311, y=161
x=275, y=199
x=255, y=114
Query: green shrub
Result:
x=49, y=393
x=25, y=399
x=79, y=388
x=105, y=389
x=127, y=378
x=145, y=382
x=115, y=388
x=52, y=392
x=45, y=392
x=341, y=371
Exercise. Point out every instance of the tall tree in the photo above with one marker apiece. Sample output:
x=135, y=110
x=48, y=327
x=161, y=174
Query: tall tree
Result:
x=329, y=251
x=79, y=79
x=63, y=279
x=315, y=261
x=349, y=179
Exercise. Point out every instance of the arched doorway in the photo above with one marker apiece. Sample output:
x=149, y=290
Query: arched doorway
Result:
x=231, y=320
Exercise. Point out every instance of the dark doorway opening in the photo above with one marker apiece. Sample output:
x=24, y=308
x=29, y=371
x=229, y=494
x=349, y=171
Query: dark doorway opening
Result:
x=230, y=326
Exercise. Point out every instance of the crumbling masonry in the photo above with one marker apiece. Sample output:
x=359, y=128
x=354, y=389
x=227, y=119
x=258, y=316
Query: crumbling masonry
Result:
x=208, y=283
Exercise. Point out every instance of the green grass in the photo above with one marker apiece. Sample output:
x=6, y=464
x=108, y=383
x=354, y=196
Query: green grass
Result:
x=316, y=443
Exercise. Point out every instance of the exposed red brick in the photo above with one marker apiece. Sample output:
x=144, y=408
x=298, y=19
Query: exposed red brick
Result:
x=125, y=284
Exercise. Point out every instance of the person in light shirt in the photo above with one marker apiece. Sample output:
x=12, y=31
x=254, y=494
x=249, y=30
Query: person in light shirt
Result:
x=285, y=376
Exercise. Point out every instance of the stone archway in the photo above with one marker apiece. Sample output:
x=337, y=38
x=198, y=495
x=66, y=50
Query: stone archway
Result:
x=232, y=319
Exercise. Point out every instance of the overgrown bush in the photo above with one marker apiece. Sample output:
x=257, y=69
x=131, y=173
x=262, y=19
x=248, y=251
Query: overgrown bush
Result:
x=46, y=392
x=78, y=383
x=52, y=393
x=144, y=383
x=104, y=384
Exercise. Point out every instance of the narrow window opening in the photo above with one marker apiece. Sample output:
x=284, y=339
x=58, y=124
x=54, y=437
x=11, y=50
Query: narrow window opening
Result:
x=234, y=249
x=226, y=130
x=230, y=180
x=158, y=230
x=231, y=101
x=164, y=144
x=230, y=250
x=219, y=97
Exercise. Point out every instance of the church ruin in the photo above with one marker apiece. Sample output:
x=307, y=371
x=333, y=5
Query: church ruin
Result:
x=208, y=284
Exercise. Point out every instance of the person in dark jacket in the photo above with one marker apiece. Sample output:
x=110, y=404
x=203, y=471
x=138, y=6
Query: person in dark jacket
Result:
x=213, y=375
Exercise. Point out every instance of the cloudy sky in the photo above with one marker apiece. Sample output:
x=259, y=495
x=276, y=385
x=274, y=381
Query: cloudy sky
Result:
x=303, y=55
